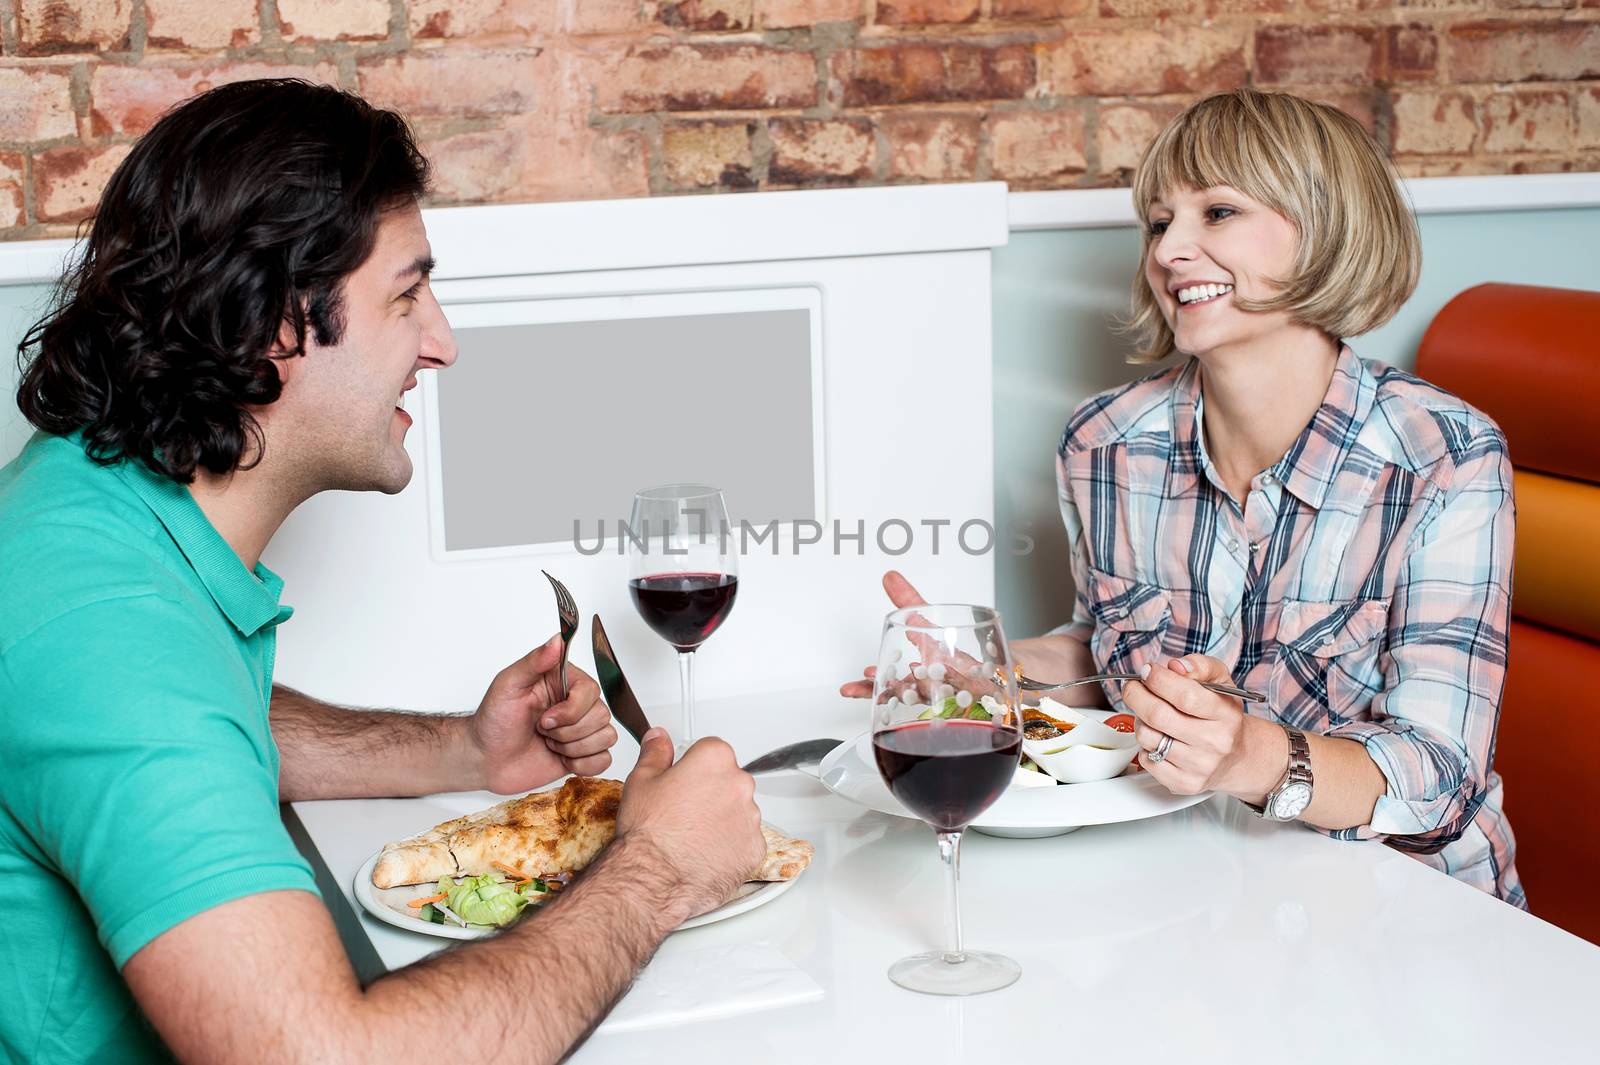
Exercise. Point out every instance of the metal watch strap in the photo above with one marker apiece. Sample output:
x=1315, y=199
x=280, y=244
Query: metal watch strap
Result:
x=1299, y=770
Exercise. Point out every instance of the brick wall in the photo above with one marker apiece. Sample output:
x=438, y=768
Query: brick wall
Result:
x=570, y=99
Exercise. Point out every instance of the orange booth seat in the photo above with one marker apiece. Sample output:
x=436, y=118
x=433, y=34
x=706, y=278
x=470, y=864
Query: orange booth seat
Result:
x=1530, y=358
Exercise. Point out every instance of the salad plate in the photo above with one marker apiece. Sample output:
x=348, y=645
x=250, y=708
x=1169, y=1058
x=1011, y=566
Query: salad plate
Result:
x=1032, y=806
x=389, y=905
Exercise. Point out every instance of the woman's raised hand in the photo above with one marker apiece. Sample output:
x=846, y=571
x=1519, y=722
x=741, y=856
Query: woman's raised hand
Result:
x=901, y=594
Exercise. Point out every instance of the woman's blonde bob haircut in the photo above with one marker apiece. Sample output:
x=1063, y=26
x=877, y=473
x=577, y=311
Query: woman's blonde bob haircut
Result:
x=1359, y=252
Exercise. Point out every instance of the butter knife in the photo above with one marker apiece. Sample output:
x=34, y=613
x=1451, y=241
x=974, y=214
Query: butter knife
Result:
x=789, y=757
x=614, y=686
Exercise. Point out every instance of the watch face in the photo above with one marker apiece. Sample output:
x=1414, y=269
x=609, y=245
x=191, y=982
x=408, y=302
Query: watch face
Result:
x=1292, y=801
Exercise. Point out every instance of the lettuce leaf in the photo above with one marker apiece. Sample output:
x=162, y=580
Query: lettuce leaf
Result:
x=486, y=900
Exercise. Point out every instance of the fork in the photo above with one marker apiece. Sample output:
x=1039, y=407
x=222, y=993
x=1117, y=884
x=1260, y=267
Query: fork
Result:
x=568, y=612
x=1028, y=684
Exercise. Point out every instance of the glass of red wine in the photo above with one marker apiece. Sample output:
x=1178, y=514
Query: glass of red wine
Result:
x=683, y=573
x=947, y=735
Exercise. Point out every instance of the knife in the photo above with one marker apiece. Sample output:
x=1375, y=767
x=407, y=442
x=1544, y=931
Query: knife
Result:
x=614, y=686
x=791, y=756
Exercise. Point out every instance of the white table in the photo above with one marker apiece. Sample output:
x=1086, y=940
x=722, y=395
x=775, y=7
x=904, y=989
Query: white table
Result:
x=1202, y=936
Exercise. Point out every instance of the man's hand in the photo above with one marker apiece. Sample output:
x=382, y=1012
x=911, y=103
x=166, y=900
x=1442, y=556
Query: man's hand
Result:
x=699, y=817
x=527, y=736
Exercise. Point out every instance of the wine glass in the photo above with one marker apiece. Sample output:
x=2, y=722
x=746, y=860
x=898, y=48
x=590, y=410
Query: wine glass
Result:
x=947, y=734
x=683, y=573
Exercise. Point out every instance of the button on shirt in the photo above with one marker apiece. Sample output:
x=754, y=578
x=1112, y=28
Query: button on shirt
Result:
x=138, y=777
x=1363, y=584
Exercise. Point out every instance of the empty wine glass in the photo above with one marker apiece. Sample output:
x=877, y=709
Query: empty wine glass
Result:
x=683, y=573
x=947, y=735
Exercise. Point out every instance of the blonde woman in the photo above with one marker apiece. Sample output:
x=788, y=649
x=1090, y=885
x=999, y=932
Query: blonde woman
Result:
x=1276, y=511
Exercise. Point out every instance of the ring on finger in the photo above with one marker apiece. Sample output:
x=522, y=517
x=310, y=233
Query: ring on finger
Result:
x=1162, y=749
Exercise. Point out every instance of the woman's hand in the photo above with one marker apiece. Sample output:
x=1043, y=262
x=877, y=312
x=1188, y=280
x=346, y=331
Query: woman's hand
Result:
x=1215, y=745
x=902, y=595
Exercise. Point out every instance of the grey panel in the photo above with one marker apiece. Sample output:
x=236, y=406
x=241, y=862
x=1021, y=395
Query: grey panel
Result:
x=544, y=424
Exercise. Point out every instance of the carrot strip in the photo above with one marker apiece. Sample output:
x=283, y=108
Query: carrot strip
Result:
x=417, y=904
x=504, y=868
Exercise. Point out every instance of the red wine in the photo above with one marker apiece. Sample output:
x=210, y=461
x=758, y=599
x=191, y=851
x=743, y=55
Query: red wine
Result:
x=947, y=772
x=684, y=608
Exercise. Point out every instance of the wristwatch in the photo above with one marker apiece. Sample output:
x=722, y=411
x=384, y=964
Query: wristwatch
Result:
x=1289, y=799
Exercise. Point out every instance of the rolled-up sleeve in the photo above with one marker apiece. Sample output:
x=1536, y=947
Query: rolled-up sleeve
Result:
x=1431, y=730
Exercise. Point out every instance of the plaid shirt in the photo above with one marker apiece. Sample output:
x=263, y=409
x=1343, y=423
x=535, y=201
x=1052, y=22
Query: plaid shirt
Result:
x=1365, y=585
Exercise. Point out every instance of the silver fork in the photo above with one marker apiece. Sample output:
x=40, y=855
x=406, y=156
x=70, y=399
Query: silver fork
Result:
x=568, y=612
x=1028, y=684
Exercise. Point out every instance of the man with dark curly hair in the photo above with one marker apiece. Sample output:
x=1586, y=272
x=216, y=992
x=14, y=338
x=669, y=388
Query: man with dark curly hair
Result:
x=251, y=305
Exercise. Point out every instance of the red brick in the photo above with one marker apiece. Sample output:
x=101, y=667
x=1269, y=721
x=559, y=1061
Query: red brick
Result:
x=1150, y=8
x=458, y=82
x=1359, y=104
x=932, y=147
x=1413, y=52
x=124, y=99
x=538, y=156
x=1531, y=121
x=67, y=181
x=1554, y=166
x=1247, y=7
x=209, y=24
x=1138, y=61
x=707, y=15
x=922, y=12
x=1033, y=145
x=1126, y=130
x=606, y=16
x=36, y=103
x=1316, y=55
x=709, y=155
x=49, y=27
x=1518, y=4
x=786, y=14
x=1040, y=9
x=933, y=73
x=1433, y=123
x=1414, y=168
x=1588, y=117
x=809, y=151
x=705, y=77
x=11, y=198
x=347, y=20
x=430, y=19
x=1344, y=7
x=1524, y=51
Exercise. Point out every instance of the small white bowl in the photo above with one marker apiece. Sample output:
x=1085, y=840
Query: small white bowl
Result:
x=1089, y=751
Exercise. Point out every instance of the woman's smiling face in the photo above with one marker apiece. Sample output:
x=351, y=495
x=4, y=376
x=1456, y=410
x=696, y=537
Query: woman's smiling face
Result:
x=1205, y=247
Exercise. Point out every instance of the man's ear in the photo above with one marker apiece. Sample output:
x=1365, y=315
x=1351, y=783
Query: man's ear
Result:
x=284, y=354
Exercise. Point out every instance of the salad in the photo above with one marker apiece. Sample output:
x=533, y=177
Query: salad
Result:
x=487, y=901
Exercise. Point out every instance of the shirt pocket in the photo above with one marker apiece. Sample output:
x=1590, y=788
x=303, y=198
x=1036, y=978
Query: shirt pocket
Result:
x=1130, y=619
x=1327, y=670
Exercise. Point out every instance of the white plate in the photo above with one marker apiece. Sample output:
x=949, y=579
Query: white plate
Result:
x=389, y=904
x=850, y=772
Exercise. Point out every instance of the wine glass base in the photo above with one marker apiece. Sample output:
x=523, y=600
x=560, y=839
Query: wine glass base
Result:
x=978, y=971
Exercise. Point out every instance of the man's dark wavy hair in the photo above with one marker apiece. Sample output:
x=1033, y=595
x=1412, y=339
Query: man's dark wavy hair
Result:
x=242, y=210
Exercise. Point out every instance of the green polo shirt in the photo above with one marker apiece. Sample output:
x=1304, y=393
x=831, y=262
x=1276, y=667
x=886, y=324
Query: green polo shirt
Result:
x=138, y=777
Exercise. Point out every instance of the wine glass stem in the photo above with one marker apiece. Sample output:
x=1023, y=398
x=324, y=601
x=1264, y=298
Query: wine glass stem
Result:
x=950, y=851
x=686, y=676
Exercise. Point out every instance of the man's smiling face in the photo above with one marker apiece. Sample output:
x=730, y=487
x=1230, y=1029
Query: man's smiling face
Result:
x=347, y=396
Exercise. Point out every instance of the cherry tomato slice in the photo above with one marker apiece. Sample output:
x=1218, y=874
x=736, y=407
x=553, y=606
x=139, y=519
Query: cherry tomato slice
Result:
x=1120, y=722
